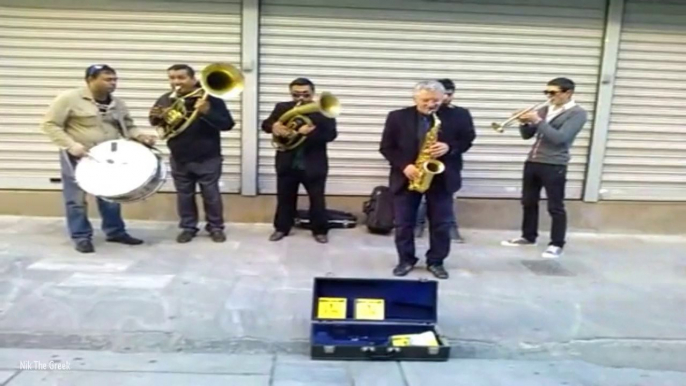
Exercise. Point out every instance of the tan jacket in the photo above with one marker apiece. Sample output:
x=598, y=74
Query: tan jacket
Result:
x=74, y=117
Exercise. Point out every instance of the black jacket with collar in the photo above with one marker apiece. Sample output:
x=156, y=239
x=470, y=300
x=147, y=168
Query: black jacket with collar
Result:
x=314, y=147
x=400, y=144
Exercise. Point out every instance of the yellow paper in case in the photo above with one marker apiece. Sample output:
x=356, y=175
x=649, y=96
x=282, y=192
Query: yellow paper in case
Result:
x=331, y=308
x=370, y=309
x=424, y=339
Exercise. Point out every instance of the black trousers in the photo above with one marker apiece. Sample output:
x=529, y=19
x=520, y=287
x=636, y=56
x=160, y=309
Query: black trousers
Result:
x=439, y=205
x=553, y=179
x=187, y=176
x=287, y=201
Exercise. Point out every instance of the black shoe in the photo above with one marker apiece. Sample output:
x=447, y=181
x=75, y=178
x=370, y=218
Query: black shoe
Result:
x=277, y=235
x=218, y=236
x=402, y=269
x=185, y=237
x=125, y=239
x=438, y=271
x=85, y=246
x=323, y=239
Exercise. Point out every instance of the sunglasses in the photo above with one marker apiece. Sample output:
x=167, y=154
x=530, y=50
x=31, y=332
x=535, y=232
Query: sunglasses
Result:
x=548, y=92
x=304, y=94
x=95, y=68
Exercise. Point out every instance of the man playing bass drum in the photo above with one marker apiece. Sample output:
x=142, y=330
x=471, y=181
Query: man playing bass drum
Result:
x=402, y=140
x=306, y=164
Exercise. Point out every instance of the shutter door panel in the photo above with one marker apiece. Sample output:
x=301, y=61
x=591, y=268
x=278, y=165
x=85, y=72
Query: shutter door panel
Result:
x=46, y=51
x=645, y=155
x=370, y=56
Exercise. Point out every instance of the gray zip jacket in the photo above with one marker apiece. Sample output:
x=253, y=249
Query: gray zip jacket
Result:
x=554, y=138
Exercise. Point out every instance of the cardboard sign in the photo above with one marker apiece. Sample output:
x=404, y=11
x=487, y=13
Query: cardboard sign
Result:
x=370, y=309
x=331, y=308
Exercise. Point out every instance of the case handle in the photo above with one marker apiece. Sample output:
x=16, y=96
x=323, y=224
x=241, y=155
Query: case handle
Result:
x=390, y=352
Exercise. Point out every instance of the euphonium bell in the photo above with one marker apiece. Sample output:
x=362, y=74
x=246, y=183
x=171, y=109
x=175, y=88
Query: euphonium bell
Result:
x=328, y=105
x=217, y=79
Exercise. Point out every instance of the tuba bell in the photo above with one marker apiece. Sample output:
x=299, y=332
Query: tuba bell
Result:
x=217, y=79
x=297, y=117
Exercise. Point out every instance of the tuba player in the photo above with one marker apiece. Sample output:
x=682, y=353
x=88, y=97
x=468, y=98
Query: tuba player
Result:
x=305, y=164
x=196, y=157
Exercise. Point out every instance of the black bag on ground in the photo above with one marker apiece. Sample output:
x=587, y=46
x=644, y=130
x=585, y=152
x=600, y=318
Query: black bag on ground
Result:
x=379, y=211
x=338, y=219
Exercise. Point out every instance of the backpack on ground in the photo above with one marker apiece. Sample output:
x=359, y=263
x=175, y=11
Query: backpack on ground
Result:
x=379, y=211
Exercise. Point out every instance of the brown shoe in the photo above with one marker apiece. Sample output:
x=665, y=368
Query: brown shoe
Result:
x=323, y=239
x=277, y=235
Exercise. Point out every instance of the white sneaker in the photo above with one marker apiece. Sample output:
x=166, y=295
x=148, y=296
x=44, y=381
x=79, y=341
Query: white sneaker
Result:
x=552, y=252
x=518, y=242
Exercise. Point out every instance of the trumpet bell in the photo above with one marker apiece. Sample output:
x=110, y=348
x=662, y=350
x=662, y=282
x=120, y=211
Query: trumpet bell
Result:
x=222, y=79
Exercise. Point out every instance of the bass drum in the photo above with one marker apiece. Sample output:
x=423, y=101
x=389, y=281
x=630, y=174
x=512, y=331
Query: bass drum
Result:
x=121, y=171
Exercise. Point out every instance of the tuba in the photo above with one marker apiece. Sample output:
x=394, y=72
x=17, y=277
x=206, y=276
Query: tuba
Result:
x=428, y=166
x=217, y=79
x=297, y=117
x=499, y=127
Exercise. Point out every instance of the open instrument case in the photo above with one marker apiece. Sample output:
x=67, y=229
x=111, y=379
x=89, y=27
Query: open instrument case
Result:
x=376, y=319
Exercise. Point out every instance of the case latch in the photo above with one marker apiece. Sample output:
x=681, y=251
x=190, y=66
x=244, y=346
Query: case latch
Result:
x=433, y=350
x=329, y=349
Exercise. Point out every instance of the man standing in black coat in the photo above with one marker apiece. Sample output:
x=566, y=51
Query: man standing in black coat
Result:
x=462, y=118
x=307, y=164
x=401, y=141
x=196, y=157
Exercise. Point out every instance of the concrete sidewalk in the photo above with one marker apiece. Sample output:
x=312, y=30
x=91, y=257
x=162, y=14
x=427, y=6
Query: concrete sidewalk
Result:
x=610, y=301
x=87, y=368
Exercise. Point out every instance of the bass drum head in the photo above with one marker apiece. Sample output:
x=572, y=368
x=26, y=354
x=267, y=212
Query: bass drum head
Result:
x=116, y=168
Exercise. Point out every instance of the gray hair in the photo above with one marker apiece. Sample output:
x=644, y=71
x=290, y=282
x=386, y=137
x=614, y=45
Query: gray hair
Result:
x=429, y=85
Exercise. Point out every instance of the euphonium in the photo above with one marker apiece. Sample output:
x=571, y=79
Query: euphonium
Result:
x=217, y=79
x=297, y=117
x=427, y=165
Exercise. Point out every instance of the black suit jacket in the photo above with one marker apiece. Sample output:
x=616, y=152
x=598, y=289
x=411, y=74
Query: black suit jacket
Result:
x=315, y=146
x=400, y=144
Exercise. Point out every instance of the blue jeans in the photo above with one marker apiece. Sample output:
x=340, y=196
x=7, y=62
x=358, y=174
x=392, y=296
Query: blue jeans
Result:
x=77, y=209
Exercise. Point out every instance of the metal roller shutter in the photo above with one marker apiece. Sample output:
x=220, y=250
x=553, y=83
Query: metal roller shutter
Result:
x=46, y=50
x=370, y=53
x=646, y=149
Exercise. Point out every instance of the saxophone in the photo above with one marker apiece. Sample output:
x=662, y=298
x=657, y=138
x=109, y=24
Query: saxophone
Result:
x=428, y=167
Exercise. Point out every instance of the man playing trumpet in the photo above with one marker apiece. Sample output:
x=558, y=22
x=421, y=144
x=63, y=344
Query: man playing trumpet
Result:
x=555, y=127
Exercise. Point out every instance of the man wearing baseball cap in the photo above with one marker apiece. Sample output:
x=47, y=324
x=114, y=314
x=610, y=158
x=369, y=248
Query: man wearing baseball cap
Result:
x=77, y=120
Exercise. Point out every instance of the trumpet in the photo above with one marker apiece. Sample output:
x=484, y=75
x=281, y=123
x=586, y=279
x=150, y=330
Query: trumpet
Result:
x=499, y=127
x=328, y=105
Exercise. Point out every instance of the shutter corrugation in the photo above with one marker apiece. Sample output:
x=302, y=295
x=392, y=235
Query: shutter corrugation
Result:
x=646, y=149
x=370, y=53
x=46, y=49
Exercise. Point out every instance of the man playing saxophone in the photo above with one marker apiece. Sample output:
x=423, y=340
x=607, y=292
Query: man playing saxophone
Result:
x=426, y=160
x=306, y=163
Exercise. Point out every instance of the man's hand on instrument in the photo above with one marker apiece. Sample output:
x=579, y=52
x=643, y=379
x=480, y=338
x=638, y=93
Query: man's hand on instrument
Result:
x=411, y=172
x=146, y=139
x=202, y=105
x=279, y=129
x=156, y=112
x=438, y=149
x=78, y=150
x=530, y=117
x=306, y=129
